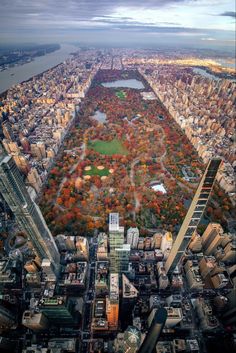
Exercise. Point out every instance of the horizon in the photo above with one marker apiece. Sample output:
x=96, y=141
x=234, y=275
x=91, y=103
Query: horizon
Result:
x=174, y=23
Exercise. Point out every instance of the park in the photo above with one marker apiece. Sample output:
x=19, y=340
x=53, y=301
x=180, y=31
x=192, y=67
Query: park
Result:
x=111, y=165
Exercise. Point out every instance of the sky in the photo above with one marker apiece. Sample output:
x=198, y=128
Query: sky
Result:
x=119, y=22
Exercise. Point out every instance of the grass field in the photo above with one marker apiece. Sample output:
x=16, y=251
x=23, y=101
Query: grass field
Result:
x=108, y=147
x=95, y=171
x=121, y=94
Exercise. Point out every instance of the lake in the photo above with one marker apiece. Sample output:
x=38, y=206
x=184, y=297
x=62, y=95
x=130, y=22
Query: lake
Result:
x=40, y=64
x=205, y=74
x=132, y=83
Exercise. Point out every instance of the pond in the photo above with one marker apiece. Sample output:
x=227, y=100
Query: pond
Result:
x=158, y=187
x=100, y=117
x=132, y=83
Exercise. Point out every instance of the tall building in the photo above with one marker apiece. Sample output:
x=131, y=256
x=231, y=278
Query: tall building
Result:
x=35, y=321
x=212, y=238
x=118, y=251
x=82, y=247
x=59, y=310
x=152, y=337
x=132, y=237
x=34, y=179
x=102, y=247
x=26, y=212
x=112, y=303
x=7, y=130
x=193, y=216
x=120, y=259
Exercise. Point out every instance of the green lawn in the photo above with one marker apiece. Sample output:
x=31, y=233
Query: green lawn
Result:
x=121, y=94
x=108, y=147
x=95, y=171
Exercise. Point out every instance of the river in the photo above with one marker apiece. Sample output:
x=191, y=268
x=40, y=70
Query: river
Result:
x=40, y=64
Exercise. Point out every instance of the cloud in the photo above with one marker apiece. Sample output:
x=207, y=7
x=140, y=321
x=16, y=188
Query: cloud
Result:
x=228, y=14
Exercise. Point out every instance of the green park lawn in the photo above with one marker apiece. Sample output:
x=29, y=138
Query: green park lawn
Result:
x=108, y=147
x=121, y=94
x=95, y=171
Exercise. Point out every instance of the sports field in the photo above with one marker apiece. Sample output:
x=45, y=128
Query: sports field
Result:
x=108, y=147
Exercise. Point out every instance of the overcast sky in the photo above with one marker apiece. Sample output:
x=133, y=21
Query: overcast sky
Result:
x=120, y=22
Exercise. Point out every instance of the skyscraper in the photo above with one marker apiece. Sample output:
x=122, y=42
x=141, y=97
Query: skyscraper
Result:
x=212, y=238
x=132, y=237
x=193, y=216
x=154, y=332
x=112, y=302
x=27, y=213
x=118, y=251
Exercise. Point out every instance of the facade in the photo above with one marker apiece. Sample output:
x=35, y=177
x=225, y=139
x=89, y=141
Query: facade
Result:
x=193, y=216
x=27, y=213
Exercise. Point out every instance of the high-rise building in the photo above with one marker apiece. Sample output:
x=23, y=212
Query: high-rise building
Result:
x=112, y=302
x=156, y=326
x=82, y=248
x=26, y=212
x=212, y=238
x=193, y=216
x=118, y=252
x=132, y=237
x=102, y=251
x=120, y=259
x=34, y=179
x=167, y=241
x=195, y=244
x=7, y=130
x=59, y=310
x=35, y=321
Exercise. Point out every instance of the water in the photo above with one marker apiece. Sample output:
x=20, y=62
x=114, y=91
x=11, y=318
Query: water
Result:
x=132, y=83
x=227, y=63
x=40, y=64
x=205, y=74
x=100, y=117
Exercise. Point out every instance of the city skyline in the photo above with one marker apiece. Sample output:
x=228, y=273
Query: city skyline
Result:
x=155, y=22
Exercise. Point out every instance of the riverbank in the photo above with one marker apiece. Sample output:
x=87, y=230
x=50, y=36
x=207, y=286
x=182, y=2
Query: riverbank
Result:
x=18, y=74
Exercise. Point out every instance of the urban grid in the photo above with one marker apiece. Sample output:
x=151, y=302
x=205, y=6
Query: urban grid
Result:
x=117, y=206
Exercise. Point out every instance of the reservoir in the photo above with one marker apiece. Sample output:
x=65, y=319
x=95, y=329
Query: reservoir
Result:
x=132, y=83
x=204, y=73
x=40, y=64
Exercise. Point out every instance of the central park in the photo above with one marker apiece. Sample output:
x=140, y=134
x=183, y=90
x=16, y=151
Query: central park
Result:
x=124, y=154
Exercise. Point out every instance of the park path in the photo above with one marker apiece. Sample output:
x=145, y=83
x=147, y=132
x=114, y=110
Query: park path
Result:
x=72, y=169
